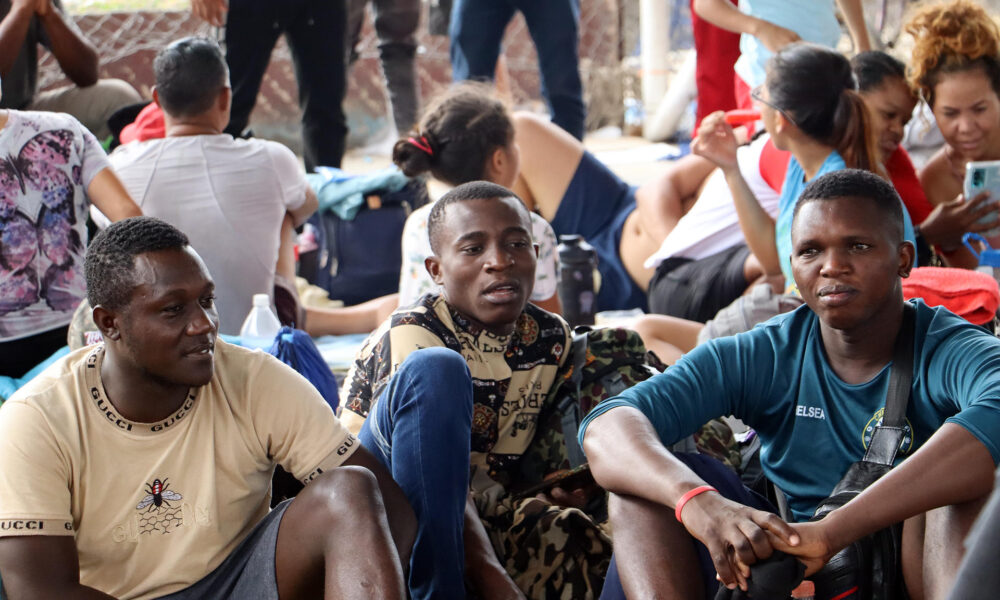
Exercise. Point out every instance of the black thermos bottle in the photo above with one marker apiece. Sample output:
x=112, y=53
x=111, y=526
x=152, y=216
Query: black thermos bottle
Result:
x=577, y=262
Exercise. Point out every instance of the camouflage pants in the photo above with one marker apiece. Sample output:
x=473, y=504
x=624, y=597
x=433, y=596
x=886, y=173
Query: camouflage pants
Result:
x=550, y=552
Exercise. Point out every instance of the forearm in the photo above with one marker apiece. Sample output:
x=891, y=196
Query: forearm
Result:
x=624, y=436
x=959, y=258
x=285, y=265
x=855, y=18
x=953, y=467
x=757, y=225
x=109, y=195
x=482, y=567
x=75, y=55
x=43, y=568
x=13, y=30
x=663, y=202
x=306, y=209
x=361, y=318
x=725, y=15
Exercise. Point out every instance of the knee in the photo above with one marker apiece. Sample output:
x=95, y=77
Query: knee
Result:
x=441, y=364
x=117, y=92
x=347, y=491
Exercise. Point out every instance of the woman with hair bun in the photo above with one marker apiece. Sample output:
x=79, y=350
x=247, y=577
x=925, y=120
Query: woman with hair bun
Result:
x=484, y=125
x=810, y=106
x=955, y=68
x=468, y=135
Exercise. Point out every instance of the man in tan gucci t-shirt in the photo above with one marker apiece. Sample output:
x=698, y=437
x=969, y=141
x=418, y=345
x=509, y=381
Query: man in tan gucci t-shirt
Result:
x=141, y=467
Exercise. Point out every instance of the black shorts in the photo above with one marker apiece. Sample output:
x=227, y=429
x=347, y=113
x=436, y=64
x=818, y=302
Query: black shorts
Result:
x=697, y=289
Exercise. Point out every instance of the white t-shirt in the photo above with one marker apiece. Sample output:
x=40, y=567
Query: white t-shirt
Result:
x=229, y=197
x=154, y=507
x=415, y=281
x=711, y=225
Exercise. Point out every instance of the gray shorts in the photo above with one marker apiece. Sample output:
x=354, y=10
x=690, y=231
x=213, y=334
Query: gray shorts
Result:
x=248, y=571
x=756, y=306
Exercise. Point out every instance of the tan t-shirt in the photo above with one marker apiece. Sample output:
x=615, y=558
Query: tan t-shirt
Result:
x=511, y=375
x=156, y=507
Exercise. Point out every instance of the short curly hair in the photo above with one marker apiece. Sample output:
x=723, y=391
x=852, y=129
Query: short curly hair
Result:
x=109, y=266
x=474, y=190
x=952, y=37
x=855, y=183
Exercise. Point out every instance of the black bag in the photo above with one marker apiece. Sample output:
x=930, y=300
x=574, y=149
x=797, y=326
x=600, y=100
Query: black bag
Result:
x=871, y=566
x=360, y=259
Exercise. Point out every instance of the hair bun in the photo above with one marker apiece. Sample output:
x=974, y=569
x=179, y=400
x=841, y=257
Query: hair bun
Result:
x=413, y=154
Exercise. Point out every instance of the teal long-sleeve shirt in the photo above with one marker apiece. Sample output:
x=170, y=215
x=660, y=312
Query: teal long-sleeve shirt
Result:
x=812, y=424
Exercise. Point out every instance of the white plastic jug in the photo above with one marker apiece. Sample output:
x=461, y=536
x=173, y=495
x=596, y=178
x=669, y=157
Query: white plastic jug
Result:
x=261, y=325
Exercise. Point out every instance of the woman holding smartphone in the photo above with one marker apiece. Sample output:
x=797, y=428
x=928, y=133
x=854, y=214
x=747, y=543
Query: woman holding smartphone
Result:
x=810, y=106
x=955, y=68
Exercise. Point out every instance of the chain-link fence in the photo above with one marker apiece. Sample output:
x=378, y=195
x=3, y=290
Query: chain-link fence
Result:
x=128, y=41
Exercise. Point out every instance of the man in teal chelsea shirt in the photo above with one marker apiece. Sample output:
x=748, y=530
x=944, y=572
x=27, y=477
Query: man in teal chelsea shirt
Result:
x=812, y=383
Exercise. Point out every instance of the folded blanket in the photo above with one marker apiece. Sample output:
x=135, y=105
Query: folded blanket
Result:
x=344, y=193
x=972, y=295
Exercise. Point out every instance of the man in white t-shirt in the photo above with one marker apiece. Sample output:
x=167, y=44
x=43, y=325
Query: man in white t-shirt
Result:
x=229, y=196
x=141, y=467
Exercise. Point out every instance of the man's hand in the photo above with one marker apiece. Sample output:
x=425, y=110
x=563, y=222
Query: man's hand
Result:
x=949, y=221
x=212, y=12
x=736, y=536
x=716, y=141
x=572, y=498
x=814, y=548
x=774, y=37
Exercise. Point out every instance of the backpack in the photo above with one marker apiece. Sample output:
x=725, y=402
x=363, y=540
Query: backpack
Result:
x=551, y=551
x=360, y=259
x=603, y=363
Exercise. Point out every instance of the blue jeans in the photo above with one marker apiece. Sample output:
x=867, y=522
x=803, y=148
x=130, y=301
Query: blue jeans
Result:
x=477, y=28
x=421, y=430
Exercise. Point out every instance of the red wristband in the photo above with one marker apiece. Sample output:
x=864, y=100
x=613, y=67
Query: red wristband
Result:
x=701, y=489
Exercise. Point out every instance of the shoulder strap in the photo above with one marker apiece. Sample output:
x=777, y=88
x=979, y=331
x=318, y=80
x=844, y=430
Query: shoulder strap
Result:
x=889, y=434
x=569, y=407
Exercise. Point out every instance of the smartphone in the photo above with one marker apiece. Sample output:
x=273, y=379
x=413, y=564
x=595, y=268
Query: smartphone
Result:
x=569, y=479
x=979, y=176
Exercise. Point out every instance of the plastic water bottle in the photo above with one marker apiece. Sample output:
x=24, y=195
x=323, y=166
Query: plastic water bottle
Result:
x=261, y=326
x=634, y=116
x=577, y=262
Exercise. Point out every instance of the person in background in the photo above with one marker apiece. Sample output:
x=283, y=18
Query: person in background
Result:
x=476, y=30
x=555, y=177
x=955, y=67
x=769, y=25
x=26, y=24
x=396, y=24
x=316, y=34
x=55, y=169
x=717, y=51
x=230, y=196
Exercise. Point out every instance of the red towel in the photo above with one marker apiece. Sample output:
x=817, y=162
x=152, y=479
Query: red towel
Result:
x=148, y=125
x=971, y=295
